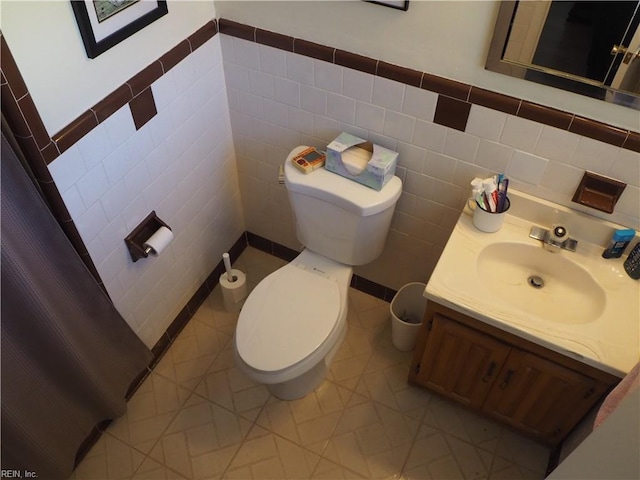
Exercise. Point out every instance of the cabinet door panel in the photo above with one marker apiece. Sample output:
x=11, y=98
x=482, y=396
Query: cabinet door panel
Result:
x=459, y=362
x=541, y=397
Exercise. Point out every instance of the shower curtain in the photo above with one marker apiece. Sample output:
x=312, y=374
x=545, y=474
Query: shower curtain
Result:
x=67, y=356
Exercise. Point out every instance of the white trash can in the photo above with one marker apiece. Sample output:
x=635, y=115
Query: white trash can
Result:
x=407, y=309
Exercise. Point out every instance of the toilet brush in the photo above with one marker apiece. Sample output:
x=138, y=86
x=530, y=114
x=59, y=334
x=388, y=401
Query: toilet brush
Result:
x=227, y=267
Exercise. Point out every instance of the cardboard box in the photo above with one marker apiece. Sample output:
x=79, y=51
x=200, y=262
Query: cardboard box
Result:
x=361, y=161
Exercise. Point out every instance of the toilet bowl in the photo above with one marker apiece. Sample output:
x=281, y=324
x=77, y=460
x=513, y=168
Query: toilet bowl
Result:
x=294, y=321
x=292, y=325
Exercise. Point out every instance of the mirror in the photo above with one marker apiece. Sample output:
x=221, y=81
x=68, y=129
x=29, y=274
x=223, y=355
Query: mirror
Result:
x=587, y=47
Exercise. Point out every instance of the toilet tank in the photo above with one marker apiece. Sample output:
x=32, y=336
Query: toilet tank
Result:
x=337, y=217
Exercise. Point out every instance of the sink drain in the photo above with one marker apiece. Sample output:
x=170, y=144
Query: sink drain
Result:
x=535, y=281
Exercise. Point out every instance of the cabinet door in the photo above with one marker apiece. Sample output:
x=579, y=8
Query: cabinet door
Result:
x=541, y=397
x=459, y=362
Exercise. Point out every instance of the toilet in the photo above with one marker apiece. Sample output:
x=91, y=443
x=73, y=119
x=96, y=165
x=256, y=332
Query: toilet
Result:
x=294, y=321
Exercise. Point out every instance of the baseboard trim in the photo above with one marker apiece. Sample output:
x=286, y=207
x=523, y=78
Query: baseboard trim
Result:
x=288, y=254
x=189, y=310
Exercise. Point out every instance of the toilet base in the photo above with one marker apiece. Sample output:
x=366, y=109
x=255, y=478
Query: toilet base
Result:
x=300, y=386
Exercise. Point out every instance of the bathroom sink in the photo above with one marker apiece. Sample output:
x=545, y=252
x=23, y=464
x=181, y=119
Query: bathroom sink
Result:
x=573, y=302
x=544, y=284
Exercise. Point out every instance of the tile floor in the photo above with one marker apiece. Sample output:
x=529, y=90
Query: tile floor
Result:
x=198, y=417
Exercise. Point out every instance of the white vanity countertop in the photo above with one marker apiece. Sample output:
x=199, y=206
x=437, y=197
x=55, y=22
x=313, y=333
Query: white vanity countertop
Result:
x=610, y=341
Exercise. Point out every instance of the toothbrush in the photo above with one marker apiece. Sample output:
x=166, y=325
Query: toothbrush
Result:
x=503, y=186
x=485, y=202
x=495, y=198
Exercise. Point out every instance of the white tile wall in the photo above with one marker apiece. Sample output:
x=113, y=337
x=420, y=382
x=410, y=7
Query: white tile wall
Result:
x=486, y=123
x=520, y=133
x=180, y=164
x=526, y=168
x=210, y=186
x=419, y=103
x=436, y=163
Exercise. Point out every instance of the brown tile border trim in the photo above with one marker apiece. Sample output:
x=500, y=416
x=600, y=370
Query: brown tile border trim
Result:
x=356, y=62
x=275, y=40
x=594, y=129
x=495, y=101
x=132, y=88
x=32, y=117
x=445, y=86
x=145, y=77
x=633, y=142
x=112, y=102
x=11, y=110
x=604, y=133
x=546, y=115
x=202, y=35
x=313, y=50
x=77, y=129
x=174, y=56
x=400, y=74
x=239, y=30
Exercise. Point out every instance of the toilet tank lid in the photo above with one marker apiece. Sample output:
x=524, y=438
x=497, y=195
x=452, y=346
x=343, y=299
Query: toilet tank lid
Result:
x=340, y=191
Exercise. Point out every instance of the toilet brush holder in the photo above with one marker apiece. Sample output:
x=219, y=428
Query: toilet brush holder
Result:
x=233, y=284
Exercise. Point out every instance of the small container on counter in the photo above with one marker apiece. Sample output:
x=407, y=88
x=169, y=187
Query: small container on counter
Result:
x=618, y=243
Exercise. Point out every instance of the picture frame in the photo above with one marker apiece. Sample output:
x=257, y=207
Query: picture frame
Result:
x=103, y=23
x=397, y=4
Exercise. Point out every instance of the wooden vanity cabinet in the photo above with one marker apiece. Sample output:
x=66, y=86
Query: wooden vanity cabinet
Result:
x=535, y=390
x=541, y=397
x=460, y=363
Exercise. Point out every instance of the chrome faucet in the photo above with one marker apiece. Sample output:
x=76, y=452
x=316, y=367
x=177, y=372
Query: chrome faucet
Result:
x=555, y=239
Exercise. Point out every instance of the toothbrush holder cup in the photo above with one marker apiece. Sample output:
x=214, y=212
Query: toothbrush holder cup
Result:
x=488, y=222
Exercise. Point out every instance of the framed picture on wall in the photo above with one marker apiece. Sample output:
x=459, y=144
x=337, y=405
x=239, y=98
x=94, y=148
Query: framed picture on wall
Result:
x=105, y=23
x=399, y=4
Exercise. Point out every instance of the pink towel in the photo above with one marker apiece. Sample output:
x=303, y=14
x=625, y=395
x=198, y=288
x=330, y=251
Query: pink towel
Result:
x=628, y=383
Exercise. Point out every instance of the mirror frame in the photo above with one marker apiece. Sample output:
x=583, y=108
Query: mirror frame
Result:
x=561, y=80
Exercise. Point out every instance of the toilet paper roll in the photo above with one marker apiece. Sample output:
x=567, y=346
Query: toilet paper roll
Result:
x=159, y=241
x=233, y=292
x=355, y=160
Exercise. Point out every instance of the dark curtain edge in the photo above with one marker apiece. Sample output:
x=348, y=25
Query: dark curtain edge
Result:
x=28, y=178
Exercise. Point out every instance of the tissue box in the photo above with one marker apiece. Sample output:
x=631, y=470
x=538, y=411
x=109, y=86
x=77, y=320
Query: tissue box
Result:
x=374, y=174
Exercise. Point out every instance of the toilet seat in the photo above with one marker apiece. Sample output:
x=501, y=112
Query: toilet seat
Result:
x=289, y=316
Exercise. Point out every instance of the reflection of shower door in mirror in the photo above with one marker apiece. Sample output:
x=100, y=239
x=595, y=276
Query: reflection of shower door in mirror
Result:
x=586, y=33
x=627, y=77
x=568, y=44
x=526, y=28
x=578, y=36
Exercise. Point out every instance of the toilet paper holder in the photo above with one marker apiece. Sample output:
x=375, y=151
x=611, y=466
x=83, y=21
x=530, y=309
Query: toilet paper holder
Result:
x=136, y=239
